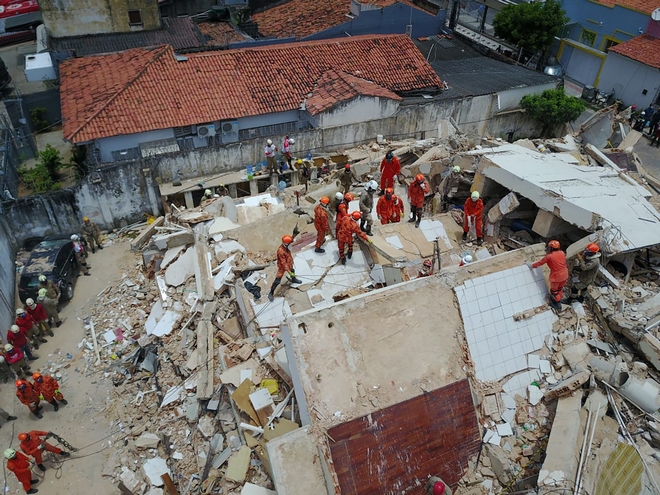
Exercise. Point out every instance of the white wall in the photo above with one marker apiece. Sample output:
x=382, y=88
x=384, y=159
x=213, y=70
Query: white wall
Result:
x=510, y=99
x=268, y=119
x=116, y=143
x=359, y=109
x=628, y=79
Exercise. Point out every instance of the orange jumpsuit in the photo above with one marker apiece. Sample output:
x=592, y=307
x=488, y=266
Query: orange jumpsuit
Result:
x=49, y=388
x=345, y=232
x=385, y=210
x=31, y=446
x=475, y=209
x=556, y=261
x=321, y=224
x=29, y=397
x=342, y=211
x=388, y=171
x=284, y=262
x=398, y=209
x=416, y=194
x=20, y=466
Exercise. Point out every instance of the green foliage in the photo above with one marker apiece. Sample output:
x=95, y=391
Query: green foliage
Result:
x=78, y=161
x=552, y=107
x=51, y=160
x=530, y=25
x=38, y=179
x=38, y=120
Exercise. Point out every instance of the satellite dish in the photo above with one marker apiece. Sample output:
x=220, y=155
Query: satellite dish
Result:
x=655, y=15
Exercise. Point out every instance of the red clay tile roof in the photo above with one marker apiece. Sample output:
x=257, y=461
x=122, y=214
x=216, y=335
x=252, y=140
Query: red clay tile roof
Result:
x=142, y=90
x=220, y=33
x=644, y=49
x=643, y=6
x=334, y=87
x=302, y=18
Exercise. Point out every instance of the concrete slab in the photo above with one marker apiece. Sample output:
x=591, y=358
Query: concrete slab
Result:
x=154, y=468
x=271, y=314
x=225, y=274
x=170, y=255
x=251, y=213
x=238, y=465
x=166, y=323
x=228, y=247
x=354, y=273
x=182, y=269
x=222, y=224
x=156, y=314
x=251, y=489
x=310, y=266
x=174, y=239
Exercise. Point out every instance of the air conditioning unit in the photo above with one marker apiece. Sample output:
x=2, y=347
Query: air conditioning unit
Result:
x=229, y=127
x=204, y=131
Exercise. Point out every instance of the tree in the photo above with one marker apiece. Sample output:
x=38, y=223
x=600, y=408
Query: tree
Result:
x=532, y=26
x=51, y=160
x=552, y=107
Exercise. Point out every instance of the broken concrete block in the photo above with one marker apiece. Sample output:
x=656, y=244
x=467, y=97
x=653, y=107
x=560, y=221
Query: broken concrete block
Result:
x=154, y=468
x=576, y=356
x=173, y=394
x=504, y=469
x=129, y=479
x=506, y=205
x=206, y=425
x=169, y=241
x=568, y=385
x=649, y=346
x=182, y=269
x=238, y=465
x=547, y=225
x=221, y=458
x=250, y=489
x=166, y=323
x=147, y=441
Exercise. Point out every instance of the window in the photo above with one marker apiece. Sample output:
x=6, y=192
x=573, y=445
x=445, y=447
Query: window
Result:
x=134, y=18
x=609, y=43
x=587, y=37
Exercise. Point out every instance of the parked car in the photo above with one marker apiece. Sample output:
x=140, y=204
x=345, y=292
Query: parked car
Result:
x=53, y=257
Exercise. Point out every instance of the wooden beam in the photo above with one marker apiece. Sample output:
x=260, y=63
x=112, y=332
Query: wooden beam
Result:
x=203, y=278
x=146, y=234
x=169, y=484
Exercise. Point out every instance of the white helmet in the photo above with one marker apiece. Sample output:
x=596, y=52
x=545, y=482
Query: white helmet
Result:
x=10, y=453
x=474, y=195
x=456, y=169
x=14, y=329
x=467, y=259
x=339, y=196
x=20, y=311
x=8, y=347
x=269, y=142
x=2, y=359
x=74, y=237
x=29, y=301
x=292, y=141
x=42, y=278
x=371, y=185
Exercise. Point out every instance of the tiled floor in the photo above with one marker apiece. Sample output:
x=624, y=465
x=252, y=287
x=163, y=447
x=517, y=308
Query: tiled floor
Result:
x=498, y=344
x=433, y=229
x=310, y=266
x=340, y=277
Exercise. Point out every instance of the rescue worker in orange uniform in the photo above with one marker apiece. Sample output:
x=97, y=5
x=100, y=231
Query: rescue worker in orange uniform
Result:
x=48, y=389
x=345, y=231
x=34, y=443
x=417, y=191
x=321, y=223
x=284, y=265
x=28, y=396
x=389, y=168
x=555, y=258
x=389, y=207
x=473, y=209
x=19, y=464
x=426, y=270
x=342, y=210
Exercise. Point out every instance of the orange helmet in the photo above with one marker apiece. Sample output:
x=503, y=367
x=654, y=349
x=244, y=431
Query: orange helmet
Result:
x=324, y=200
x=287, y=239
x=37, y=376
x=356, y=215
x=23, y=436
x=419, y=178
x=349, y=197
x=554, y=244
x=21, y=384
x=347, y=167
x=389, y=190
x=593, y=248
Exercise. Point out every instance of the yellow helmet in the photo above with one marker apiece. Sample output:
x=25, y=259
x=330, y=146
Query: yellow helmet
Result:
x=86, y=219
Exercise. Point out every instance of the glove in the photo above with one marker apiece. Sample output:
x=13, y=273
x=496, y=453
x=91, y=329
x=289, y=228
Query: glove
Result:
x=292, y=274
x=403, y=214
x=41, y=447
x=529, y=265
x=41, y=396
x=57, y=391
x=370, y=241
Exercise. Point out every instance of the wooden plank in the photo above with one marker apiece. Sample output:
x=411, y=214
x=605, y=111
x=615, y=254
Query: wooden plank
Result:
x=146, y=234
x=203, y=278
x=169, y=484
x=123, y=489
x=204, y=360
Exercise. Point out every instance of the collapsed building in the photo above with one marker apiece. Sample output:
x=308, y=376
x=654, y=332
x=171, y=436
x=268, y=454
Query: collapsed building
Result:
x=365, y=379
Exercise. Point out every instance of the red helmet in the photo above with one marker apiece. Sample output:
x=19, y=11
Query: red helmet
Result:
x=324, y=200
x=349, y=197
x=356, y=215
x=21, y=384
x=287, y=239
x=389, y=190
x=438, y=488
x=23, y=436
x=428, y=263
x=419, y=178
x=554, y=244
x=347, y=167
x=593, y=248
x=37, y=377
x=634, y=107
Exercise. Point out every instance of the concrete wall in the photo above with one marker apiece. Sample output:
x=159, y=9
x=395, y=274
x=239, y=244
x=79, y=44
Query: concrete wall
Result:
x=617, y=22
x=117, y=143
x=508, y=100
x=629, y=79
x=268, y=119
x=476, y=117
x=78, y=17
x=7, y=282
x=357, y=110
x=111, y=196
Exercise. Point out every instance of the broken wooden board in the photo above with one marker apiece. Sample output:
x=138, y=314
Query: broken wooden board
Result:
x=233, y=375
x=205, y=357
x=282, y=427
x=263, y=405
x=146, y=234
x=238, y=465
x=241, y=398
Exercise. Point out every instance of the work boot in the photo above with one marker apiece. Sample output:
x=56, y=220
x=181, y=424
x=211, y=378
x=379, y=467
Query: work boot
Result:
x=33, y=357
x=63, y=401
x=480, y=241
x=42, y=340
x=32, y=490
x=100, y=247
x=319, y=250
x=555, y=305
x=369, y=232
x=381, y=193
x=41, y=467
x=55, y=405
x=93, y=251
x=411, y=220
x=88, y=274
x=64, y=454
x=271, y=297
x=464, y=236
x=50, y=332
x=417, y=223
x=296, y=280
x=343, y=261
x=11, y=418
x=37, y=414
x=36, y=346
x=350, y=254
x=58, y=324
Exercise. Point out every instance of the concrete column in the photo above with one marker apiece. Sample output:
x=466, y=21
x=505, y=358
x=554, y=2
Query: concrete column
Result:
x=189, y=199
x=151, y=193
x=294, y=178
x=233, y=192
x=254, y=189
